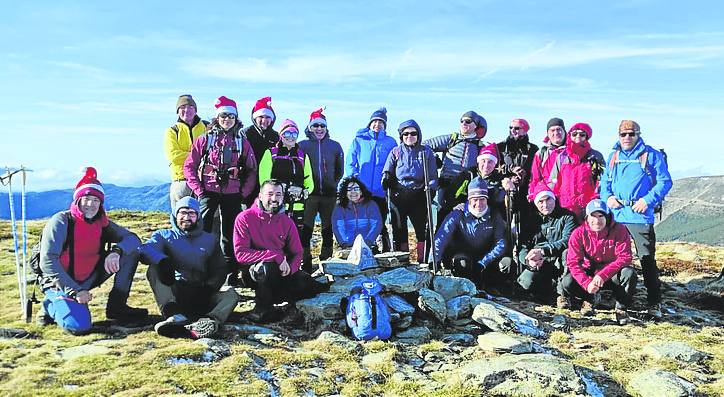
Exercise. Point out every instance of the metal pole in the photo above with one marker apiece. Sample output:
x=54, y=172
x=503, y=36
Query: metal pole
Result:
x=430, y=226
x=13, y=227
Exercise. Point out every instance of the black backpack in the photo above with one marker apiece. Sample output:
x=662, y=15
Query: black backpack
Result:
x=34, y=261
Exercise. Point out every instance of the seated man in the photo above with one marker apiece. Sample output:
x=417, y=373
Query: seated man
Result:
x=471, y=239
x=544, y=244
x=74, y=260
x=599, y=256
x=269, y=251
x=186, y=268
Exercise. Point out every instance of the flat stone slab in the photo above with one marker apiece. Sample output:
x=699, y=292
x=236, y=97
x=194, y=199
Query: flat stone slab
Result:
x=338, y=340
x=678, y=351
x=344, y=285
x=459, y=339
x=324, y=306
x=452, y=287
x=499, y=342
x=83, y=351
x=657, y=383
x=458, y=308
x=433, y=303
x=339, y=268
x=399, y=305
x=402, y=280
x=501, y=318
x=415, y=335
x=393, y=259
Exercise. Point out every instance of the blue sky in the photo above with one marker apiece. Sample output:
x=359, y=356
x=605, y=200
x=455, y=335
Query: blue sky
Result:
x=90, y=83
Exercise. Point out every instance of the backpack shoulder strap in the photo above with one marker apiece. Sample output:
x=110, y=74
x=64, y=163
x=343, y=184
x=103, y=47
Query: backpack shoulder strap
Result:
x=70, y=240
x=452, y=142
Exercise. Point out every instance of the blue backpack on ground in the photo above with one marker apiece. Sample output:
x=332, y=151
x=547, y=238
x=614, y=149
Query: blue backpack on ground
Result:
x=367, y=314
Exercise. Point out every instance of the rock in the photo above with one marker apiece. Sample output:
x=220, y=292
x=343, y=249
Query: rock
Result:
x=499, y=342
x=401, y=280
x=408, y=373
x=340, y=341
x=451, y=287
x=535, y=375
x=245, y=329
x=415, y=335
x=500, y=318
x=324, y=306
x=217, y=349
x=343, y=286
x=657, y=383
x=339, y=268
x=393, y=259
x=83, y=351
x=678, y=351
x=267, y=339
x=399, y=305
x=458, y=308
x=433, y=303
x=558, y=321
x=378, y=358
x=402, y=323
x=459, y=339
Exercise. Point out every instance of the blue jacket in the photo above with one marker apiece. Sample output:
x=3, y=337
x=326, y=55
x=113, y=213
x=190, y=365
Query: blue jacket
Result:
x=327, y=161
x=404, y=163
x=629, y=182
x=196, y=255
x=366, y=158
x=482, y=238
x=348, y=222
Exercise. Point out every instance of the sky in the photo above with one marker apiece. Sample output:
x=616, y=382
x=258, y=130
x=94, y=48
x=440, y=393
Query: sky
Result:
x=95, y=83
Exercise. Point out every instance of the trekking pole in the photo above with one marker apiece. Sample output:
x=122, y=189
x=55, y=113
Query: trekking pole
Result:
x=429, y=247
x=390, y=215
x=28, y=301
x=9, y=177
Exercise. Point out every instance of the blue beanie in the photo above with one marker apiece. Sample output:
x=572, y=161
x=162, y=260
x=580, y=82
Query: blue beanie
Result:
x=187, y=202
x=596, y=205
x=379, y=114
x=478, y=188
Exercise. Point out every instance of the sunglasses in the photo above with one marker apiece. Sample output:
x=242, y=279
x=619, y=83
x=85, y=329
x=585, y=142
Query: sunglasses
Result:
x=318, y=125
x=466, y=121
x=579, y=133
x=290, y=134
x=410, y=133
x=354, y=189
x=227, y=116
x=515, y=128
x=624, y=134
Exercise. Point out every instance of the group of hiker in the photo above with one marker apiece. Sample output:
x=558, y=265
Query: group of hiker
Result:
x=554, y=222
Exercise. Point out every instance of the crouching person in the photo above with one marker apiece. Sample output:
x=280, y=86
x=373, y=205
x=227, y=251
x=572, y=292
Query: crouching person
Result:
x=471, y=240
x=599, y=256
x=186, y=268
x=74, y=260
x=269, y=251
x=544, y=246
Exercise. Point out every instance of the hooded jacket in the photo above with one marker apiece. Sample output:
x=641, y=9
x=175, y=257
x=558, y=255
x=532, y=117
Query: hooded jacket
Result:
x=195, y=254
x=260, y=236
x=575, y=175
x=363, y=218
x=177, y=144
x=327, y=161
x=367, y=156
x=404, y=163
x=483, y=239
x=549, y=233
x=602, y=253
x=628, y=181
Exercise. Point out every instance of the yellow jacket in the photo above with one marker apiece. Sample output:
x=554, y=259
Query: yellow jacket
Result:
x=177, y=144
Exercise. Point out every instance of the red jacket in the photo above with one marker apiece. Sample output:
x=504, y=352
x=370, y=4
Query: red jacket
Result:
x=261, y=236
x=574, y=177
x=541, y=169
x=602, y=253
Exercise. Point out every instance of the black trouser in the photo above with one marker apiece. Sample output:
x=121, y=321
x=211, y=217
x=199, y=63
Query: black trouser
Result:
x=322, y=205
x=494, y=275
x=230, y=205
x=623, y=285
x=272, y=287
x=384, y=211
x=644, y=239
x=545, y=280
x=191, y=300
x=413, y=204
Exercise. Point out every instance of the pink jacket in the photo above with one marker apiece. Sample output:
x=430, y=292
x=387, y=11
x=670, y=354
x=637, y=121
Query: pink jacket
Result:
x=606, y=252
x=574, y=181
x=261, y=236
x=541, y=169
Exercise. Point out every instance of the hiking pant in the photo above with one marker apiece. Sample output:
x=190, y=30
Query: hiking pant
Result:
x=75, y=317
x=271, y=287
x=230, y=205
x=384, y=211
x=322, y=205
x=191, y=299
x=177, y=191
x=413, y=204
x=545, y=280
x=494, y=275
x=623, y=285
x=644, y=239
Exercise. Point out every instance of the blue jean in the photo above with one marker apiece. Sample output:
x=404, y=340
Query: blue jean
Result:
x=67, y=312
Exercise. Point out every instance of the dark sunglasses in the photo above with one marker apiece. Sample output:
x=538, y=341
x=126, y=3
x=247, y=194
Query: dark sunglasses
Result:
x=318, y=125
x=227, y=116
x=624, y=134
x=466, y=121
x=411, y=133
x=515, y=128
x=579, y=133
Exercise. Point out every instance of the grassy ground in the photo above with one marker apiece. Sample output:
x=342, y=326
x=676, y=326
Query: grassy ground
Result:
x=137, y=362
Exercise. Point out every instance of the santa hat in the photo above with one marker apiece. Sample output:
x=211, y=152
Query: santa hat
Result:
x=489, y=152
x=544, y=192
x=89, y=185
x=225, y=105
x=582, y=127
x=317, y=118
x=263, y=107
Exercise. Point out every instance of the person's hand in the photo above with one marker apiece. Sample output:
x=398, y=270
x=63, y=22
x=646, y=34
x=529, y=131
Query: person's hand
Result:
x=112, y=263
x=295, y=192
x=640, y=206
x=508, y=184
x=387, y=182
x=284, y=267
x=613, y=202
x=595, y=284
x=83, y=297
x=534, y=258
x=305, y=194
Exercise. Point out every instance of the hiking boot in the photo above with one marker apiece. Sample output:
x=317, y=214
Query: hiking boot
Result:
x=43, y=319
x=562, y=302
x=621, y=316
x=125, y=313
x=173, y=327
x=587, y=309
x=202, y=328
x=654, y=311
x=264, y=316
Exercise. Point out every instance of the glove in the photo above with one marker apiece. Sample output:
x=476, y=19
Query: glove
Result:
x=295, y=192
x=166, y=272
x=387, y=182
x=305, y=194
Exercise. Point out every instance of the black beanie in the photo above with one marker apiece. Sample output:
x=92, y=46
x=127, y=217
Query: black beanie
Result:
x=555, y=121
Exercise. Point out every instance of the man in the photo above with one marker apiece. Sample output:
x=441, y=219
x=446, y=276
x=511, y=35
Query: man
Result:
x=74, y=260
x=459, y=152
x=635, y=181
x=543, y=248
x=545, y=159
x=261, y=134
x=456, y=193
x=516, y=162
x=366, y=158
x=327, y=161
x=268, y=249
x=472, y=240
x=177, y=145
x=186, y=269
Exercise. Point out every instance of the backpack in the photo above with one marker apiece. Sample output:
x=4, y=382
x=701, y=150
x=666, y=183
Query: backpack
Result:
x=366, y=312
x=643, y=160
x=34, y=261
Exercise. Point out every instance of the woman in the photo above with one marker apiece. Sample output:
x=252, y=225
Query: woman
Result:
x=599, y=256
x=577, y=171
x=355, y=214
x=404, y=177
x=487, y=160
x=221, y=171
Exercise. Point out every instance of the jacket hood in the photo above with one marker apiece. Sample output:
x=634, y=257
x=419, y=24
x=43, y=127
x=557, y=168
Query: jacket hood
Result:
x=410, y=123
x=367, y=133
